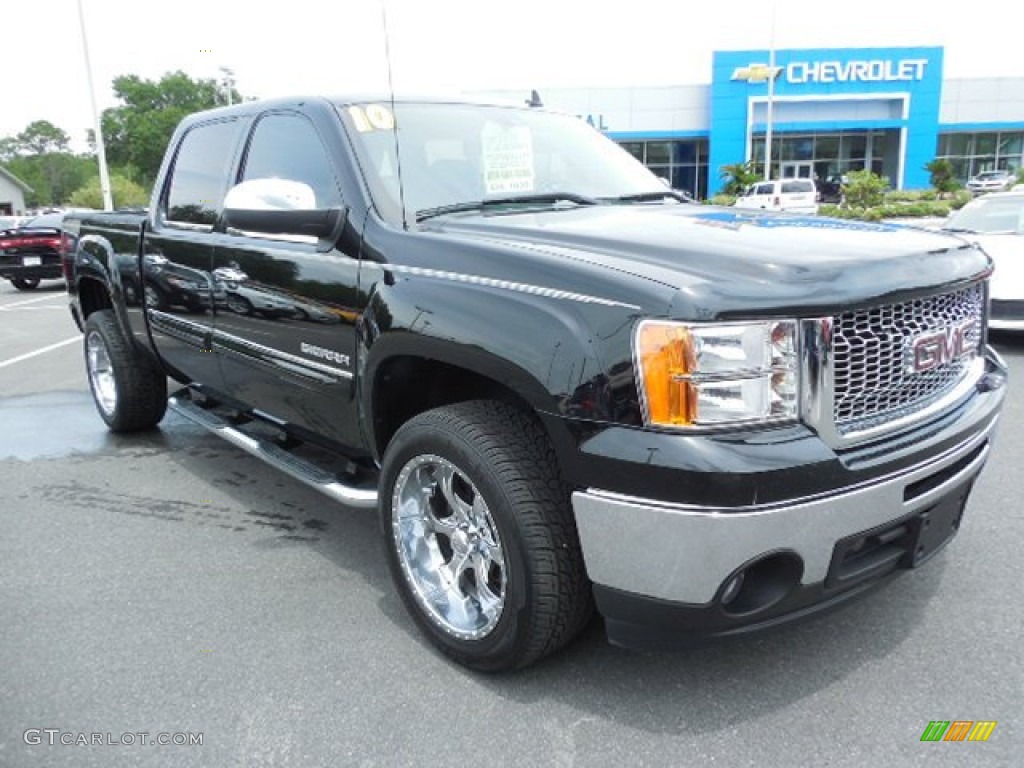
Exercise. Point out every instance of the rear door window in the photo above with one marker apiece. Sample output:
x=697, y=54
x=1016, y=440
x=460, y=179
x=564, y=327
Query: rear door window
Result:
x=797, y=187
x=200, y=176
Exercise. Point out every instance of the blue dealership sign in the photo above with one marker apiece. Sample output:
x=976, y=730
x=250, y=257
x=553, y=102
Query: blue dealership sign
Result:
x=829, y=90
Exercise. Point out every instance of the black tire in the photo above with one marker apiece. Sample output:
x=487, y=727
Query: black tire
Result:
x=508, y=461
x=128, y=390
x=25, y=283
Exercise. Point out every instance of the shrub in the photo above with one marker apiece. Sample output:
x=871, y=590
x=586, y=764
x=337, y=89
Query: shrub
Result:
x=960, y=198
x=721, y=200
x=910, y=196
x=738, y=177
x=123, y=191
x=864, y=189
x=889, y=210
x=942, y=178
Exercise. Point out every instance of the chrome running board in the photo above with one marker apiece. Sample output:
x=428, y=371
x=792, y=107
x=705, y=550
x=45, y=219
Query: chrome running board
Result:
x=265, y=450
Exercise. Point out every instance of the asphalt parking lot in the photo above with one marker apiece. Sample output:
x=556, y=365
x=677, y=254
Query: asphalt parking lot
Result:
x=170, y=584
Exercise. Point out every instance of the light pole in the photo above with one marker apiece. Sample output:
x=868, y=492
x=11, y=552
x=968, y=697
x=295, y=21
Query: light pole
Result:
x=229, y=83
x=101, y=152
x=771, y=101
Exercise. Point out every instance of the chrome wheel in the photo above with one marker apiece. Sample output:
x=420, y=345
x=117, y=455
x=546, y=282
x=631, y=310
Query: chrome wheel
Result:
x=101, y=373
x=448, y=547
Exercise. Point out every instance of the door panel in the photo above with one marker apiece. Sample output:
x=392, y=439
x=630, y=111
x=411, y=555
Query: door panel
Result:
x=177, y=287
x=285, y=333
x=178, y=296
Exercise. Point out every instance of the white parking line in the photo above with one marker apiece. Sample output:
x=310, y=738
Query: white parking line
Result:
x=46, y=308
x=43, y=351
x=33, y=301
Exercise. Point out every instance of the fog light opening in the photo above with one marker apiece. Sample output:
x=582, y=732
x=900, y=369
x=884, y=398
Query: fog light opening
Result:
x=760, y=584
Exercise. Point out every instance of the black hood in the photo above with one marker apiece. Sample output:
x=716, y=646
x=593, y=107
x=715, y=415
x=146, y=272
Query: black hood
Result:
x=727, y=262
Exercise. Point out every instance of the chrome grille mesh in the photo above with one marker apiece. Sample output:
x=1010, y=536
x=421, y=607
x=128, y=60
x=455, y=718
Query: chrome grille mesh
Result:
x=869, y=348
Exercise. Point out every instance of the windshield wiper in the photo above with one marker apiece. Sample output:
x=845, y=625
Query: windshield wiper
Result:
x=961, y=230
x=540, y=198
x=650, y=197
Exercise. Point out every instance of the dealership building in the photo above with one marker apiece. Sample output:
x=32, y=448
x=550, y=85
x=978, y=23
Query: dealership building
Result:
x=889, y=110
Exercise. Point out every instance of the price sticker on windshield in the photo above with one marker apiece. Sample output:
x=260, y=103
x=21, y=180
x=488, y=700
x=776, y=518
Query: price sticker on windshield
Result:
x=508, y=159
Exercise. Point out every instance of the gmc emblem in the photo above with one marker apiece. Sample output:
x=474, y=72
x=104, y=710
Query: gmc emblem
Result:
x=938, y=348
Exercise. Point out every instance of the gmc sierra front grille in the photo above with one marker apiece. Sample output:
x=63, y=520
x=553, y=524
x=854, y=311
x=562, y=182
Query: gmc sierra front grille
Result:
x=873, y=349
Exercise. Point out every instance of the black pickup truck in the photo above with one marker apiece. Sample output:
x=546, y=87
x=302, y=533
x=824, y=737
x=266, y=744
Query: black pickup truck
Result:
x=560, y=385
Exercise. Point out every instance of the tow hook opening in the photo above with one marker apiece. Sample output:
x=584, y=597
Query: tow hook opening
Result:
x=760, y=584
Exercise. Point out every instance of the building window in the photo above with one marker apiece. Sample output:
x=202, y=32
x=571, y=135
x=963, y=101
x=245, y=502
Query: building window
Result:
x=683, y=163
x=974, y=153
x=830, y=154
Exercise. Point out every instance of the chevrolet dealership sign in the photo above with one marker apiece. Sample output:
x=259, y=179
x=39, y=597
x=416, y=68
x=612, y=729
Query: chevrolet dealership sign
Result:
x=864, y=71
x=825, y=91
x=870, y=71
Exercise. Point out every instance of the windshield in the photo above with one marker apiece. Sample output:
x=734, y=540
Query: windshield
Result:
x=46, y=221
x=990, y=175
x=453, y=154
x=990, y=214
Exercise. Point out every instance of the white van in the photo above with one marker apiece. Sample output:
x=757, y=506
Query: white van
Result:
x=794, y=195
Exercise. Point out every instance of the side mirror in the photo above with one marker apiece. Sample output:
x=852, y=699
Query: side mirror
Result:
x=280, y=207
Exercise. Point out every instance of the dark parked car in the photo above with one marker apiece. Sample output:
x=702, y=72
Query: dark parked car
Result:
x=30, y=251
x=830, y=190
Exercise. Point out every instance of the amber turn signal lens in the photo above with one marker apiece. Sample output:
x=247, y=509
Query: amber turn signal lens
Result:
x=666, y=355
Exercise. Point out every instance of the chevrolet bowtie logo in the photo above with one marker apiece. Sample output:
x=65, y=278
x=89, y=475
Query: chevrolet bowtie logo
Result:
x=756, y=73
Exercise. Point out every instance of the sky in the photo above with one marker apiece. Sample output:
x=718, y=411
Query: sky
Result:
x=338, y=46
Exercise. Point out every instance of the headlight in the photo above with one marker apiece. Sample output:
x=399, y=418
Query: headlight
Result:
x=697, y=375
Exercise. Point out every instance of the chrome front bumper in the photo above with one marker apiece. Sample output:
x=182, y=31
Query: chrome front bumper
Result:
x=684, y=554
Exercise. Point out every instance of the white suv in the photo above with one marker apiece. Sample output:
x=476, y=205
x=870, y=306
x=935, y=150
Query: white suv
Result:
x=796, y=195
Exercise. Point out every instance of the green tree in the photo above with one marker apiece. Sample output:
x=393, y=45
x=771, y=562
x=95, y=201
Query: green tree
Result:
x=943, y=179
x=864, y=189
x=8, y=149
x=738, y=177
x=123, y=191
x=53, y=176
x=40, y=157
x=137, y=132
x=41, y=137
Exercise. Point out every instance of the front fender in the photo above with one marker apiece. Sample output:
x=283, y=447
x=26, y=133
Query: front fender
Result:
x=547, y=350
